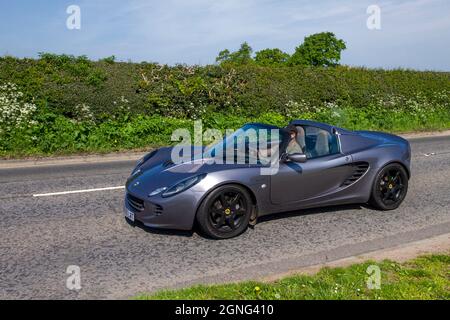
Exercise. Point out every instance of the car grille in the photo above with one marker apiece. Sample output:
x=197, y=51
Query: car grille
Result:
x=359, y=169
x=135, y=203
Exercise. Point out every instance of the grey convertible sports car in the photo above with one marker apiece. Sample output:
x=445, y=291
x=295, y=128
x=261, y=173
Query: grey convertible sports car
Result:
x=316, y=165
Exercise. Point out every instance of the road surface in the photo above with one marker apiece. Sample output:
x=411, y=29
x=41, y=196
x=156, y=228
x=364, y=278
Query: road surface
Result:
x=41, y=236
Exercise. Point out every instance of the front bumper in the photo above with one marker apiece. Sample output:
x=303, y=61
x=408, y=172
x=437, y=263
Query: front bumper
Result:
x=177, y=212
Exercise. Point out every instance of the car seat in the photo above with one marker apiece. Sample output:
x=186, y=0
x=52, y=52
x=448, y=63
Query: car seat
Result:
x=301, y=137
x=322, y=144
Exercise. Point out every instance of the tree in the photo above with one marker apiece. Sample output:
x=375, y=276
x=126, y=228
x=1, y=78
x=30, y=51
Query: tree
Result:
x=223, y=56
x=320, y=49
x=242, y=56
x=271, y=57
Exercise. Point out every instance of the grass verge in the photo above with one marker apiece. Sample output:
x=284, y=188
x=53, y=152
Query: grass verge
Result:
x=426, y=277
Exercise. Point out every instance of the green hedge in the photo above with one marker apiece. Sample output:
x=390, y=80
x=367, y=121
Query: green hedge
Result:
x=63, y=82
x=65, y=104
x=56, y=134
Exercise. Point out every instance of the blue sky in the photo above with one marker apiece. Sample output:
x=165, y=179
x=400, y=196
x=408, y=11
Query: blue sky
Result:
x=415, y=33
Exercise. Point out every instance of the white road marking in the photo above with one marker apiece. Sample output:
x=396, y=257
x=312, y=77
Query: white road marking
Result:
x=76, y=191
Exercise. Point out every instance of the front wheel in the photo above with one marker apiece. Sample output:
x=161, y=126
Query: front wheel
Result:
x=225, y=212
x=390, y=187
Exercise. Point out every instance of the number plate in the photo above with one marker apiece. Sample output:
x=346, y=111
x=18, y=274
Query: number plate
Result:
x=129, y=215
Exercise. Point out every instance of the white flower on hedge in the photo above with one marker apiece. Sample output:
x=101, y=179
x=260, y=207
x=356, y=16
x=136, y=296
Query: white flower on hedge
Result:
x=296, y=108
x=14, y=111
x=84, y=113
x=123, y=99
x=331, y=105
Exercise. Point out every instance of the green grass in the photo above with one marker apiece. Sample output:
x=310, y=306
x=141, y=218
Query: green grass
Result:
x=426, y=277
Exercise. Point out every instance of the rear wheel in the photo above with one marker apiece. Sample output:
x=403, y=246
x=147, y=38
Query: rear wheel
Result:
x=225, y=212
x=390, y=187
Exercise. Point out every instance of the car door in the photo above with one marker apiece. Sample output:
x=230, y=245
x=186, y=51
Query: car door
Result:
x=323, y=172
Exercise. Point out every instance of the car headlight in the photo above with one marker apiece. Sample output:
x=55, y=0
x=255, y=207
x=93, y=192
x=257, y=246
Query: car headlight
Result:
x=157, y=191
x=182, y=186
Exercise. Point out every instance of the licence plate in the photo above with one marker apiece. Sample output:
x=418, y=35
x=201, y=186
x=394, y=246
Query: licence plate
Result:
x=129, y=215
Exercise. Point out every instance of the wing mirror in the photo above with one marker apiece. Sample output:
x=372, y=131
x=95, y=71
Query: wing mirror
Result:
x=297, y=157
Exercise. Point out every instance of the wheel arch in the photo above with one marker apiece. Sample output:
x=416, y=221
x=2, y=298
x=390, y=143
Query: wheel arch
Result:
x=407, y=170
x=227, y=183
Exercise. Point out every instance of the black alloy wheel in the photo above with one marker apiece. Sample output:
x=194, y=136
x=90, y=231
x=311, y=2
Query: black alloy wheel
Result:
x=225, y=213
x=390, y=187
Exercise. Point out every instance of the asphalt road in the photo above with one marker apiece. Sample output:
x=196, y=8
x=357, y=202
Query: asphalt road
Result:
x=40, y=237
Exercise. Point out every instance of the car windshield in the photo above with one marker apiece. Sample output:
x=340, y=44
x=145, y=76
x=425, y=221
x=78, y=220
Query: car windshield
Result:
x=251, y=143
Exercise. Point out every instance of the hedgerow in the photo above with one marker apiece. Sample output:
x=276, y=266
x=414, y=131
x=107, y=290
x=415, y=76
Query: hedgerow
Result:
x=78, y=105
x=63, y=82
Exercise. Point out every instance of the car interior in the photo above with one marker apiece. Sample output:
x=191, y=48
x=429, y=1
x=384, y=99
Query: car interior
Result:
x=316, y=142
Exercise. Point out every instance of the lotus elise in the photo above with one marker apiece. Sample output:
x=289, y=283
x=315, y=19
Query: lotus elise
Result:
x=326, y=166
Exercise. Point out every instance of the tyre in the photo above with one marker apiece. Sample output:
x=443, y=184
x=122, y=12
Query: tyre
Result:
x=225, y=212
x=389, y=187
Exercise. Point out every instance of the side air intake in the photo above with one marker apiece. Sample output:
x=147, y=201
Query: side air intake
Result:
x=359, y=169
x=158, y=210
